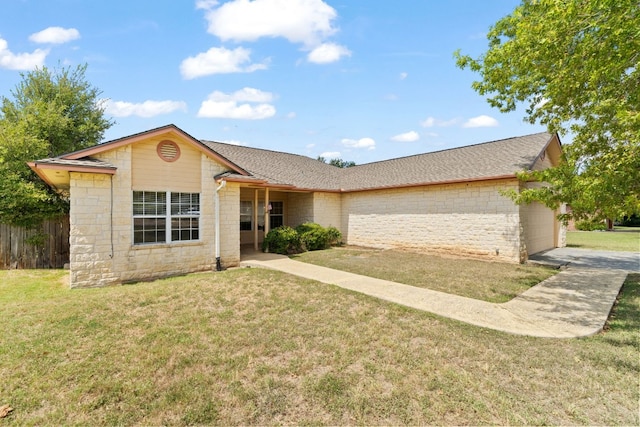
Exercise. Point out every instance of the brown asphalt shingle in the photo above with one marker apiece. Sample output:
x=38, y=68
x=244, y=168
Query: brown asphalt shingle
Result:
x=474, y=162
x=87, y=162
x=280, y=168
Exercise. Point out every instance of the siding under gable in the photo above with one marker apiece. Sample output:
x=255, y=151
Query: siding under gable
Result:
x=151, y=173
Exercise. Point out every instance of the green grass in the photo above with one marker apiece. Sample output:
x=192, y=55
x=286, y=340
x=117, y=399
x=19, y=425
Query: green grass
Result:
x=257, y=347
x=621, y=239
x=488, y=281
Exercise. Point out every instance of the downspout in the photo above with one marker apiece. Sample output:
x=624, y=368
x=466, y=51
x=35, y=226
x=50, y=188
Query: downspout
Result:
x=217, y=214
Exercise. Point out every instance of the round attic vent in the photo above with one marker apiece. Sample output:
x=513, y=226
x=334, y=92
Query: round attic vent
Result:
x=168, y=151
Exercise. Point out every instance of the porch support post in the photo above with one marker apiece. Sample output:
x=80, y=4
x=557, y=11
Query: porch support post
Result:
x=267, y=226
x=255, y=219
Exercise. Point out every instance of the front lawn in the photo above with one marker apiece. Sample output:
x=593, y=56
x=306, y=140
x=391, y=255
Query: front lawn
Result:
x=258, y=347
x=488, y=281
x=620, y=239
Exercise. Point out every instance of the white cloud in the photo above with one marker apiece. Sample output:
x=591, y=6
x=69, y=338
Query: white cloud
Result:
x=433, y=122
x=330, y=154
x=291, y=115
x=327, y=53
x=21, y=61
x=300, y=21
x=403, y=76
x=55, y=35
x=145, y=109
x=359, y=143
x=206, y=4
x=406, y=137
x=219, y=60
x=248, y=94
x=227, y=105
x=482, y=121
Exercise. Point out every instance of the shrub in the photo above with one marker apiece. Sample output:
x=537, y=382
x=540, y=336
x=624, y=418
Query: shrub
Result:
x=314, y=237
x=335, y=236
x=590, y=225
x=306, y=237
x=282, y=240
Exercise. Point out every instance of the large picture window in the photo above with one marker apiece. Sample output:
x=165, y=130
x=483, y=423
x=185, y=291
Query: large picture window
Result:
x=165, y=217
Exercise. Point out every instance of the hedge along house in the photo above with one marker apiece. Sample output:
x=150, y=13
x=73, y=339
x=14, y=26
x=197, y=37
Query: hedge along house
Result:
x=161, y=203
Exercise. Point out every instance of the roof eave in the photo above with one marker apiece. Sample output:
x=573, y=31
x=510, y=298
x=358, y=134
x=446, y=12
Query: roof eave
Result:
x=554, y=137
x=127, y=140
x=36, y=166
x=432, y=183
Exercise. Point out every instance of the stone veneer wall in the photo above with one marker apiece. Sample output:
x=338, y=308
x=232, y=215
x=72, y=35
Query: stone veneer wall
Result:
x=327, y=209
x=462, y=219
x=101, y=237
x=299, y=209
x=229, y=225
x=91, y=253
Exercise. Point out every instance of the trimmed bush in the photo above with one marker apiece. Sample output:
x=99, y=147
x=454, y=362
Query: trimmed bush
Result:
x=590, y=225
x=313, y=236
x=335, y=236
x=306, y=237
x=282, y=240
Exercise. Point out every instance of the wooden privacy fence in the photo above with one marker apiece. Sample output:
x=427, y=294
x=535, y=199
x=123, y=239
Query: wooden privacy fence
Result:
x=45, y=246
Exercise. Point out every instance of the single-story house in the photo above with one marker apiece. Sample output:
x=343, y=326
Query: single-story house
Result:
x=161, y=202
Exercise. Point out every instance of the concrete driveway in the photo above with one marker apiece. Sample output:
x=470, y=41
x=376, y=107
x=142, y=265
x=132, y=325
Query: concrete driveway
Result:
x=587, y=258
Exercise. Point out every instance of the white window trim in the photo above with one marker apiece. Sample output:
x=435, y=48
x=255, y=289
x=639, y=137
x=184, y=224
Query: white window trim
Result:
x=168, y=223
x=250, y=216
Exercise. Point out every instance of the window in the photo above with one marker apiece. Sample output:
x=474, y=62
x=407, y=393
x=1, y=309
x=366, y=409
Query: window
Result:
x=246, y=215
x=276, y=215
x=185, y=216
x=152, y=211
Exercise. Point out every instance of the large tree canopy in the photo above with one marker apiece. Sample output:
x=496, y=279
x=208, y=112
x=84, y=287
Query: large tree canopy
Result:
x=575, y=66
x=51, y=113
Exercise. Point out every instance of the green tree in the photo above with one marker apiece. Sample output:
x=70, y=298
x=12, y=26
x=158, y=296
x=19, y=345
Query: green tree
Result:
x=575, y=67
x=51, y=113
x=339, y=163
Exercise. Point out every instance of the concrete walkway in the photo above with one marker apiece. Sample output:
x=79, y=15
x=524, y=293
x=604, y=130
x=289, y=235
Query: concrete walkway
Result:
x=574, y=303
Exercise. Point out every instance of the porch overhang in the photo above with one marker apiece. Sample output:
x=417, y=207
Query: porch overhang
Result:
x=56, y=172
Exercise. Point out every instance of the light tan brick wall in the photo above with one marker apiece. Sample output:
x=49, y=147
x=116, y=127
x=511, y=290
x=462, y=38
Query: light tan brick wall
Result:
x=230, y=225
x=542, y=230
x=90, y=258
x=300, y=208
x=462, y=219
x=102, y=249
x=327, y=209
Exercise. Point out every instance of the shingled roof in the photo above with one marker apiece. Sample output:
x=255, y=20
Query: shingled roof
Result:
x=281, y=169
x=489, y=160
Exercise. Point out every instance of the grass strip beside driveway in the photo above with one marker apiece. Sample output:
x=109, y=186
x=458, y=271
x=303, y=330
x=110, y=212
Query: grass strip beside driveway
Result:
x=488, y=281
x=620, y=239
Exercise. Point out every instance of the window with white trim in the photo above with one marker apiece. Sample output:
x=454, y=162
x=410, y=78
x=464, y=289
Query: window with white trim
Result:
x=165, y=217
x=276, y=214
x=246, y=215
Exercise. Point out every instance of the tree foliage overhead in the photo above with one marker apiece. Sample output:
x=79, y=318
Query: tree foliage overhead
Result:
x=52, y=112
x=339, y=163
x=575, y=66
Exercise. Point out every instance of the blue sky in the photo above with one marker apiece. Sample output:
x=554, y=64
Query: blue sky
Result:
x=361, y=80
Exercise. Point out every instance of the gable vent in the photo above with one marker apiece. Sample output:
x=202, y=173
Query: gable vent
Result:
x=168, y=151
